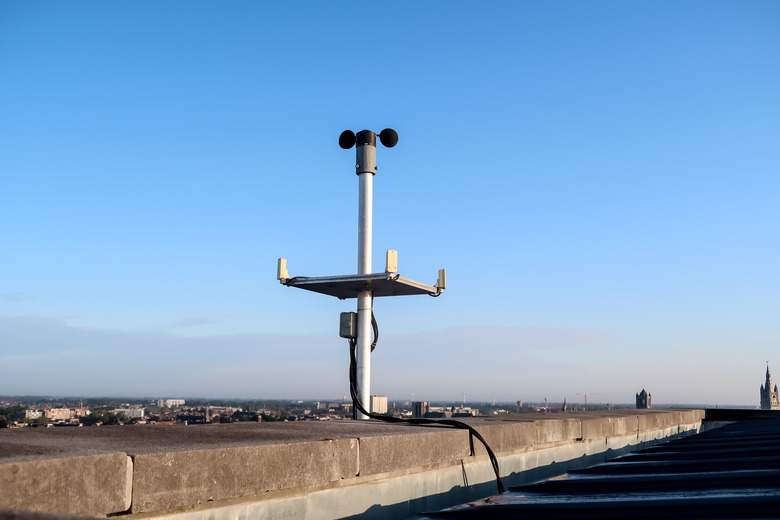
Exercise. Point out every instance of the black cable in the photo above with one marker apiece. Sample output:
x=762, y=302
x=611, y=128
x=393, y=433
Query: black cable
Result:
x=376, y=331
x=358, y=405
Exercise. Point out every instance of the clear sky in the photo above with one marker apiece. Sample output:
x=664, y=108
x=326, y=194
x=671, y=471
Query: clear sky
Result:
x=600, y=180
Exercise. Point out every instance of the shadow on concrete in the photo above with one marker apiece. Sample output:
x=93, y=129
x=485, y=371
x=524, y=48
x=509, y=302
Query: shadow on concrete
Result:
x=469, y=493
x=411, y=508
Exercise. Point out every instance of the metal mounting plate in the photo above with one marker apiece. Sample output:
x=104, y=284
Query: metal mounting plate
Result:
x=348, y=286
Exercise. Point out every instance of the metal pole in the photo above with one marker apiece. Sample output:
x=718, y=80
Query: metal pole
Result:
x=365, y=168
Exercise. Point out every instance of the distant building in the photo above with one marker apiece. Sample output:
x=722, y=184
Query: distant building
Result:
x=769, y=398
x=59, y=414
x=332, y=406
x=464, y=411
x=130, y=413
x=420, y=408
x=644, y=400
x=214, y=411
x=170, y=403
x=378, y=404
x=32, y=414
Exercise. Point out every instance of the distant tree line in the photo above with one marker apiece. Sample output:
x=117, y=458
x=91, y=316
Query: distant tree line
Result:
x=10, y=414
x=104, y=417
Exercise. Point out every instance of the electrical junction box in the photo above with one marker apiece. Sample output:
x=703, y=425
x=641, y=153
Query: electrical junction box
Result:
x=392, y=261
x=348, y=325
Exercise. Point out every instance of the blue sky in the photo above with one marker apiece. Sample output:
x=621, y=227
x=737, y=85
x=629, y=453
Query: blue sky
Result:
x=600, y=180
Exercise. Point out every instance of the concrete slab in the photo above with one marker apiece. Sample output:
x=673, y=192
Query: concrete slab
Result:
x=645, y=422
x=596, y=428
x=624, y=425
x=174, y=479
x=508, y=436
x=90, y=485
x=558, y=431
x=427, y=447
x=603, y=427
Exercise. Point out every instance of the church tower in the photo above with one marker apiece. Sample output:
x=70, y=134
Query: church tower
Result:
x=644, y=400
x=769, y=400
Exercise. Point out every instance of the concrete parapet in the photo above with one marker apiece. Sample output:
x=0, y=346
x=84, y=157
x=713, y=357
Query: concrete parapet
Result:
x=292, y=470
x=167, y=480
x=87, y=485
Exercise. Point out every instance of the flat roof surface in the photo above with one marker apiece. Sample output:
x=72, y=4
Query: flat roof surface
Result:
x=348, y=286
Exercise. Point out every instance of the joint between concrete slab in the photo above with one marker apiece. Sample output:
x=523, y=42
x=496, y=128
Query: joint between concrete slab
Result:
x=129, y=483
x=357, y=457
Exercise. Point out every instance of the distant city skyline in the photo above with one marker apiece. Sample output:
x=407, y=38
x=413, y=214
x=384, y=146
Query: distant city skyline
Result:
x=200, y=401
x=599, y=179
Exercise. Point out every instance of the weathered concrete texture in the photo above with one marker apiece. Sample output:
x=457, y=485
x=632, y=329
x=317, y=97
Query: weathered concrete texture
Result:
x=311, y=469
x=506, y=437
x=403, y=494
x=37, y=443
x=656, y=420
x=386, y=453
x=558, y=431
x=90, y=485
x=168, y=480
x=510, y=435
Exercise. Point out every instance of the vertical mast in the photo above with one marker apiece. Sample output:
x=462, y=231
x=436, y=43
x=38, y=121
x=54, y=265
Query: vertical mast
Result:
x=365, y=168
